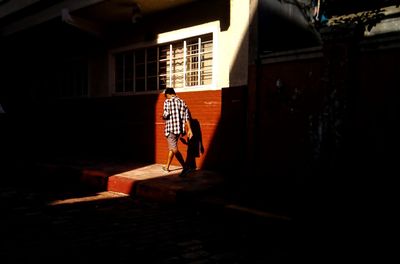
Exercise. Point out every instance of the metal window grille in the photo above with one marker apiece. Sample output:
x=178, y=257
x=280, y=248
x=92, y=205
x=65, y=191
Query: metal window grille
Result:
x=181, y=64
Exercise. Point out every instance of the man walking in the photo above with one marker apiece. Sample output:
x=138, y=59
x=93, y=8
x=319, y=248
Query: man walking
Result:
x=177, y=118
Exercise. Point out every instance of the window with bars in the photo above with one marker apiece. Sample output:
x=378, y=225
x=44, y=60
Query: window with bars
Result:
x=185, y=63
x=69, y=79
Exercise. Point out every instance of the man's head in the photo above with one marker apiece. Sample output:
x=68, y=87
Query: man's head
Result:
x=169, y=92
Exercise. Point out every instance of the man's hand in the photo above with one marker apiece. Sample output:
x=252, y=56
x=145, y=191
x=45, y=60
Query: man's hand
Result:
x=189, y=134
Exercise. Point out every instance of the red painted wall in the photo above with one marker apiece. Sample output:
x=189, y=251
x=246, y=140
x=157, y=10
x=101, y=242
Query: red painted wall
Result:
x=204, y=107
x=127, y=127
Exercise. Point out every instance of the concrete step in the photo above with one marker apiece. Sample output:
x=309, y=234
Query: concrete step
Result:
x=148, y=182
x=143, y=181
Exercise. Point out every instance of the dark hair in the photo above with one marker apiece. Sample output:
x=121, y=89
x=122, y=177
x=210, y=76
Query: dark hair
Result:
x=169, y=91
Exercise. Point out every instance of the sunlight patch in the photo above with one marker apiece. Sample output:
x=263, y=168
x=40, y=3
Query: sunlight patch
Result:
x=106, y=195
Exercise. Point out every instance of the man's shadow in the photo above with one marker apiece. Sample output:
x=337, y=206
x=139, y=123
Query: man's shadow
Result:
x=194, y=145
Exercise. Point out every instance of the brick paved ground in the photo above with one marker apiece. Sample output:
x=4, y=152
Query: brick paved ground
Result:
x=61, y=226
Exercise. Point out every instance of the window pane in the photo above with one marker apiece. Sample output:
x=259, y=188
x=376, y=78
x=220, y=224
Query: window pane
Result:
x=128, y=85
x=152, y=54
x=177, y=80
x=192, y=79
x=119, y=72
x=162, y=67
x=139, y=54
x=152, y=84
x=140, y=85
x=119, y=86
x=206, y=78
x=128, y=72
x=164, y=52
x=206, y=47
x=152, y=69
x=140, y=69
x=177, y=51
x=177, y=66
x=206, y=60
x=162, y=82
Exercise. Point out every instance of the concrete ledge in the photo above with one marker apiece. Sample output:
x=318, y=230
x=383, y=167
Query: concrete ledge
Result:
x=96, y=179
x=176, y=189
x=121, y=184
x=142, y=181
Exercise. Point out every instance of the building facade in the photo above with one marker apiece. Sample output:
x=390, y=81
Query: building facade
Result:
x=268, y=90
x=94, y=72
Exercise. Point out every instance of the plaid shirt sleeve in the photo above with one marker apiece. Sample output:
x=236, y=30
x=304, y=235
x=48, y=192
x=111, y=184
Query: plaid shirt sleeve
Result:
x=186, y=113
x=166, y=110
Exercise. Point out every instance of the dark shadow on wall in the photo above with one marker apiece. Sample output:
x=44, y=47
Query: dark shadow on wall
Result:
x=226, y=150
x=42, y=125
x=273, y=176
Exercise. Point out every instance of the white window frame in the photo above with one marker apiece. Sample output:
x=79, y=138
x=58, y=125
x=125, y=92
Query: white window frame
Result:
x=166, y=38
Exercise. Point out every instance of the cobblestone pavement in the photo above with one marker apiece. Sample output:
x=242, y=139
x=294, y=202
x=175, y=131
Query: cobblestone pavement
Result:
x=76, y=227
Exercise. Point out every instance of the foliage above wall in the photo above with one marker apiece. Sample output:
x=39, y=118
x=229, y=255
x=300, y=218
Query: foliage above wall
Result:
x=362, y=14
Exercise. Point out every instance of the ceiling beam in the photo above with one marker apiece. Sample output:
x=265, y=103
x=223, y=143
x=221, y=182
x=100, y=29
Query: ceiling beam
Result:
x=45, y=15
x=81, y=23
x=9, y=7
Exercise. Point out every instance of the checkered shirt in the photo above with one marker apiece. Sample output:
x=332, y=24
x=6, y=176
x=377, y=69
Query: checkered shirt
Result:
x=176, y=113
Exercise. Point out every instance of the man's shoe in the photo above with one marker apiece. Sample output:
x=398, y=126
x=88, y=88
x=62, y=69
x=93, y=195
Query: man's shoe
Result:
x=165, y=170
x=185, y=172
